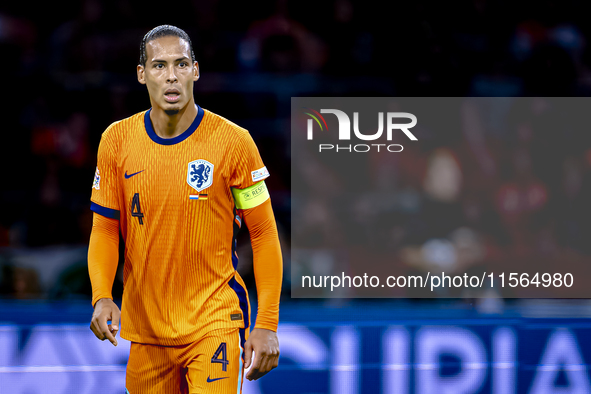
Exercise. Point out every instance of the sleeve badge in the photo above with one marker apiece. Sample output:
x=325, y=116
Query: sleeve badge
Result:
x=259, y=174
x=96, y=184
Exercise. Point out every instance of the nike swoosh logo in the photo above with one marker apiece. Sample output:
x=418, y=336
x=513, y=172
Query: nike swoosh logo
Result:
x=130, y=175
x=213, y=380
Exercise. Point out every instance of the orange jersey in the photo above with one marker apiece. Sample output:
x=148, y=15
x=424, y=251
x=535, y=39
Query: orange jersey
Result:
x=179, y=221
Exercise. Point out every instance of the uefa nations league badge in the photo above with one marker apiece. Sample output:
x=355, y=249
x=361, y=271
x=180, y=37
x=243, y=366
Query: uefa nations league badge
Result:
x=200, y=174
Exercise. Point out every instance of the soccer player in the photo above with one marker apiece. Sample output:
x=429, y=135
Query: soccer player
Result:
x=179, y=181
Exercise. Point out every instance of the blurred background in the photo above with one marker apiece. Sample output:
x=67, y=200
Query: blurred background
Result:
x=69, y=71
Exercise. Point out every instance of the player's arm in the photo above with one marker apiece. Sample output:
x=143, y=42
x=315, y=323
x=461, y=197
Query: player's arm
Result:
x=103, y=251
x=254, y=201
x=103, y=256
x=268, y=270
x=267, y=261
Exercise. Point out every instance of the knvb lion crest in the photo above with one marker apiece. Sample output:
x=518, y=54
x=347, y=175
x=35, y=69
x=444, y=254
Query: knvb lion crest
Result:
x=200, y=174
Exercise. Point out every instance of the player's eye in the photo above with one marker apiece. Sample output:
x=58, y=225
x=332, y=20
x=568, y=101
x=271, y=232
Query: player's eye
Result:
x=183, y=64
x=159, y=66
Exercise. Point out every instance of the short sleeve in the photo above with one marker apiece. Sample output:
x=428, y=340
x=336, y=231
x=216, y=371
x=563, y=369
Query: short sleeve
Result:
x=248, y=165
x=105, y=187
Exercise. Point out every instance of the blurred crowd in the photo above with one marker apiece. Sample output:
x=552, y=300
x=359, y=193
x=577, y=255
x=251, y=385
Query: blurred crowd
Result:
x=70, y=72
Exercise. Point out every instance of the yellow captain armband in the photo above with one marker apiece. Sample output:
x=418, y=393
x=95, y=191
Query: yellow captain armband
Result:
x=251, y=196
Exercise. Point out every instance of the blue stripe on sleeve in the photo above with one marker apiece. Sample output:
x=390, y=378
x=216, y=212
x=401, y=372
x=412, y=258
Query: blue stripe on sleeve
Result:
x=106, y=212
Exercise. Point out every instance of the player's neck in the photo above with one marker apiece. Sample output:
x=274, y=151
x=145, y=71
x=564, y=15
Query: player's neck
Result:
x=170, y=126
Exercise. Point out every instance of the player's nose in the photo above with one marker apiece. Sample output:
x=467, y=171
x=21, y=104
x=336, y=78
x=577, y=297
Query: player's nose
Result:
x=171, y=75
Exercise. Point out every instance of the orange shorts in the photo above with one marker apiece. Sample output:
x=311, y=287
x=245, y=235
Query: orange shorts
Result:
x=212, y=365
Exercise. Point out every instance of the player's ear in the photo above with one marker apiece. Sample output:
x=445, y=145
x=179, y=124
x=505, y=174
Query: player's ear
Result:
x=196, y=67
x=140, y=74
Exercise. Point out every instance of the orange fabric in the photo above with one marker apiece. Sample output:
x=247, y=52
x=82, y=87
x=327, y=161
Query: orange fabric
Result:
x=189, y=369
x=268, y=263
x=103, y=255
x=180, y=280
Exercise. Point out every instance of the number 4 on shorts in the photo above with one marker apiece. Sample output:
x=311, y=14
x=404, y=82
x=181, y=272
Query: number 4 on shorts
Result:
x=221, y=352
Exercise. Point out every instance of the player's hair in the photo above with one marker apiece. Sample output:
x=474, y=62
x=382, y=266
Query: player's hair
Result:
x=163, y=31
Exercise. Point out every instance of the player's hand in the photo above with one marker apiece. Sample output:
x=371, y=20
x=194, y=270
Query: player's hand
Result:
x=105, y=310
x=265, y=345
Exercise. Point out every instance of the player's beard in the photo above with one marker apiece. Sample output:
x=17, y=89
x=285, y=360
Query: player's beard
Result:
x=170, y=112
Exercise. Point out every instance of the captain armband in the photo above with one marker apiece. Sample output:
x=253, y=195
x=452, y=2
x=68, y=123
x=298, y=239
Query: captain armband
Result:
x=251, y=196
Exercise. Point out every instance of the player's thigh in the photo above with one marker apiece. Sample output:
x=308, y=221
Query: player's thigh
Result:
x=219, y=365
x=155, y=370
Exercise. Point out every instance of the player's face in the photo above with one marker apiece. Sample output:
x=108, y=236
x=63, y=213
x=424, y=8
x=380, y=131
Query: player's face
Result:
x=169, y=73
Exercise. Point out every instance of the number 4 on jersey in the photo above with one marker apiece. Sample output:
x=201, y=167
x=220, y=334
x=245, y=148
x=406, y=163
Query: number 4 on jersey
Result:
x=221, y=352
x=136, y=210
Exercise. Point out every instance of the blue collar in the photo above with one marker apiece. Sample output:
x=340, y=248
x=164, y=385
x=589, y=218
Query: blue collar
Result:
x=179, y=138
